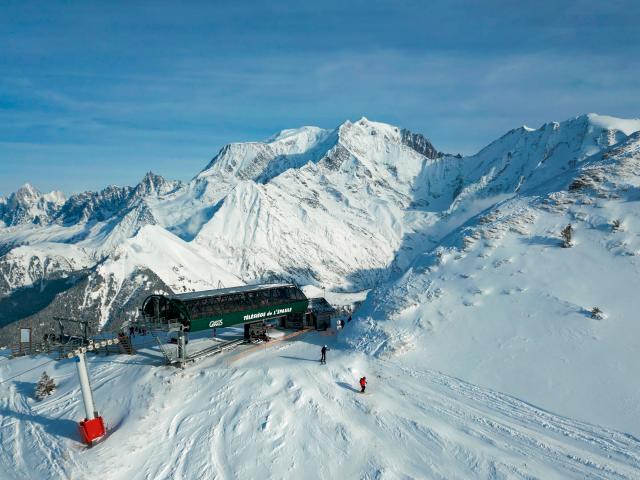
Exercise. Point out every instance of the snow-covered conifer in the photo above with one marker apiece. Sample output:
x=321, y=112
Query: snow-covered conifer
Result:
x=567, y=234
x=45, y=386
x=616, y=225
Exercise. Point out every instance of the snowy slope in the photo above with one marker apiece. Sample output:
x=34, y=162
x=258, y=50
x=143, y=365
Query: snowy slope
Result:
x=525, y=158
x=500, y=303
x=187, y=209
x=278, y=414
x=181, y=267
x=336, y=222
x=27, y=265
x=176, y=263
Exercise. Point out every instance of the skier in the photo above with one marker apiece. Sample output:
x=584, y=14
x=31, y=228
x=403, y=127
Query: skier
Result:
x=363, y=384
x=323, y=355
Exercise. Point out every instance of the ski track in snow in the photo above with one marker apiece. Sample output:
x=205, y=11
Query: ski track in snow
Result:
x=518, y=427
x=278, y=414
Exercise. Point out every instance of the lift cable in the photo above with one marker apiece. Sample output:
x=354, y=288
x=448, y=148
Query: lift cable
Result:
x=26, y=371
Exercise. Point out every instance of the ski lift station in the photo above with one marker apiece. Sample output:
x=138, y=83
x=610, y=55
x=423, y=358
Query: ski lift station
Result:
x=255, y=308
x=226, y=307
x=234, y=317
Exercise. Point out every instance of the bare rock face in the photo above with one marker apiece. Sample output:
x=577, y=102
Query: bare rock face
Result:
x=419, y=143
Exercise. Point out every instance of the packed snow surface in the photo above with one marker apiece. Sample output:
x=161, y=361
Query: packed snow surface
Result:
x=278, y=413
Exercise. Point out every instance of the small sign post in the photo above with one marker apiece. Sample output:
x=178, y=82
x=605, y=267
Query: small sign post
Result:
x=25, y=340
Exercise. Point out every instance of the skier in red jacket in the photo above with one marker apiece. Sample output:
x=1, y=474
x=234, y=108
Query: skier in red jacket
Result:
x=363, y=384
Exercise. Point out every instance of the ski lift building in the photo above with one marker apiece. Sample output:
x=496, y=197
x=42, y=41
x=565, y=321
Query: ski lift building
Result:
x=320, y=312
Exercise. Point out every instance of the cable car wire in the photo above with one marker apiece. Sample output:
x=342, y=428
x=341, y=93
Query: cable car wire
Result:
x=27, y=371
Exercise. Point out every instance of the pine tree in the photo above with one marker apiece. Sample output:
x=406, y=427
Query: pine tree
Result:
x=567, y=234
x=616, y=225
x=45, y=386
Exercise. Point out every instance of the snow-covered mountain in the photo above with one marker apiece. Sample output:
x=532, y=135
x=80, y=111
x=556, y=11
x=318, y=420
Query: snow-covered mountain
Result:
x=491, y=350
x=336, y=220
x=28, y=205
x=347, y=186
x=342, y=208
x=500, y=302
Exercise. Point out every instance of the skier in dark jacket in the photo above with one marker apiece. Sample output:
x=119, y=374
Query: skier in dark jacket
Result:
x=363, y=384
x=323, y=354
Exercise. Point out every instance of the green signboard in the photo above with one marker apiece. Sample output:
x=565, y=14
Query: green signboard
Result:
x=248, y=316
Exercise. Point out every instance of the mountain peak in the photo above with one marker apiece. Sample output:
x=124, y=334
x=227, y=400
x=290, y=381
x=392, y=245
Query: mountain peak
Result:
x=152, y=184
x=365, y=128
x=369, y=128
x=27, y=190
x=260, y=161
x=151, y=180
x=290, y=134
x=606, y=122
x=29, y=205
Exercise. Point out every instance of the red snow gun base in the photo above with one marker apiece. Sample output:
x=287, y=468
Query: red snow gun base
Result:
x=91, y=430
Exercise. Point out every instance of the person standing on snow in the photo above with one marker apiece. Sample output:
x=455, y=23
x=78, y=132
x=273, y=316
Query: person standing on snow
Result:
x=363, y=384
x=323, y=354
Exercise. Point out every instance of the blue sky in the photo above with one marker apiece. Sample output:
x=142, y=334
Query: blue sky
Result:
x=97, y=93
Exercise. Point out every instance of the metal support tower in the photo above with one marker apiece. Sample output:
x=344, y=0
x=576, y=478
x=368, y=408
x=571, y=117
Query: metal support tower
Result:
x=85, y=386
x=92, y=427
x=182, y=347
